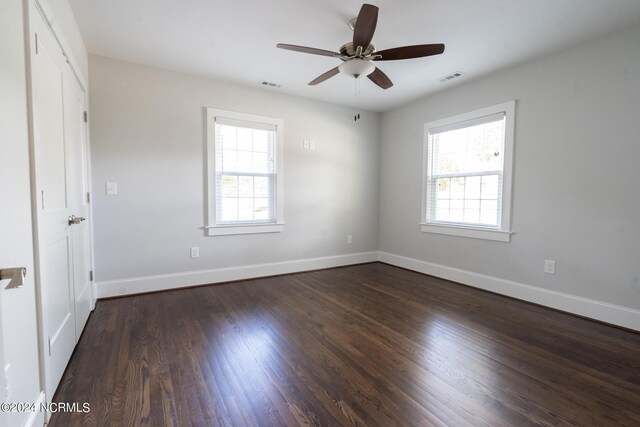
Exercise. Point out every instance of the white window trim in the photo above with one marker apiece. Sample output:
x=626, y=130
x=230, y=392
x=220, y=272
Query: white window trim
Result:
x=210, y=187
x=502, y=234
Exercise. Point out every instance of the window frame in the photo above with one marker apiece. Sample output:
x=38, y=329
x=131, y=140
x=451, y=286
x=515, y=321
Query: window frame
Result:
x=245, y=227
x=502, y=232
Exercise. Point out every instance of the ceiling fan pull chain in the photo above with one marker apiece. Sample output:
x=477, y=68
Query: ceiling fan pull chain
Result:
x=356, y=117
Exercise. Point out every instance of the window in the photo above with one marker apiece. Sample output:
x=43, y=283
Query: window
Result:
x=245, y=173
x=467, y=174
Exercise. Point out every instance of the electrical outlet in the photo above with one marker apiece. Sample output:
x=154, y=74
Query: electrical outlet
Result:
x=549, y=266
x=349, y=239
x=195, y=252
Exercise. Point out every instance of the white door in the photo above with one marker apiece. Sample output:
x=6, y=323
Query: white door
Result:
x=77, y=196
x=53, y=202
x=19, y=364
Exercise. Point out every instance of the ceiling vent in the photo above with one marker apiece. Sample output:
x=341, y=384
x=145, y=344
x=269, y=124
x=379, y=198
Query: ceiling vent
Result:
x=270, y=84
x=451, y=76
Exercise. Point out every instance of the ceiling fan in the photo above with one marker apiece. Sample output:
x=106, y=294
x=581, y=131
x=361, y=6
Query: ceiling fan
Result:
x=358, y=55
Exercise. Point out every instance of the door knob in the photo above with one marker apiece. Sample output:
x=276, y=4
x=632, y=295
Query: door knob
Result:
x=16, y=275
x=76, y=219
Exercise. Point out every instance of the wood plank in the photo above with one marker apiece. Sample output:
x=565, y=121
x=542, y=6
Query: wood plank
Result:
x=362, y=345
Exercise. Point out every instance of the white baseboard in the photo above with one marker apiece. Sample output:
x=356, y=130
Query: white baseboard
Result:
x=605, y=312
x=37, y=418
x=193, y=278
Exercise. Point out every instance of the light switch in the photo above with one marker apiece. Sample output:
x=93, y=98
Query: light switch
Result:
x=312, y=144
x=111, y=188
x=305, y=144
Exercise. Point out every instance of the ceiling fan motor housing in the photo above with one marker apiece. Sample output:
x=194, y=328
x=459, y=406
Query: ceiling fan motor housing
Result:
x=349, y=51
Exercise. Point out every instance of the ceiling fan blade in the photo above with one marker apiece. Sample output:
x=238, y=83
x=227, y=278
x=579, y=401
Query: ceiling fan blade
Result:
x=380, y=78
x=332, y=72
x=311, y=50
x=408, y=52
x=365, y=26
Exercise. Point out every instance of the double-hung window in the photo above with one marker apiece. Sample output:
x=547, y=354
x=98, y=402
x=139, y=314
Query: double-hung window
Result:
x=467, y=174
x=245, y=173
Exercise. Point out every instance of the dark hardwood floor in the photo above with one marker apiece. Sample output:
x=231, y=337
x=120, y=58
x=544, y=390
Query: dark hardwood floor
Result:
x=362, y=345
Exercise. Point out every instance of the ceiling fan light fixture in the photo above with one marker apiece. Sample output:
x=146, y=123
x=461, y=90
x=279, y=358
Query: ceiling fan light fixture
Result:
x=357, y=67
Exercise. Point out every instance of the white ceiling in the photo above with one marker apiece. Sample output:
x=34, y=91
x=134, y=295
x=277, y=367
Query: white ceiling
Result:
x=236, y=40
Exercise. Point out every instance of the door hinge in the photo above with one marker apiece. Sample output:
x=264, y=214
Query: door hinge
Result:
x=85, y=117
x=42, y=198
x=91, y=275
x=88, y=197
x=36, y=34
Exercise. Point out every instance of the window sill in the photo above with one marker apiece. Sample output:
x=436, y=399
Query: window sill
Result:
x=474, y=233
x=228, y=230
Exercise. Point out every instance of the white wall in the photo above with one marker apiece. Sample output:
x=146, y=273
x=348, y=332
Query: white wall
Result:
x=148, y=135
x=577, y=174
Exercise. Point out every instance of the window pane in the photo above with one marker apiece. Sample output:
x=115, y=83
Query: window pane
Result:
x=229, y=186
x=261, y=141
x=261, y=186
x=490, y=187
x=245, y=162
x=456, y=210
x=245, y=186
x=442, y=210
x=489, y=212
x=489, y=217
x=245, y=209
x=472, y=204
x=260, y=163
x=457, y=188
x=472, y=187
x=228, y=137
x=229, y=209
x=472, y=211
x=229, y=162
x=245, y=139
x=261, y=208
x=468, y=150
x=489, y=205
x=472, y=216
x=456, y=215
x=443, y=185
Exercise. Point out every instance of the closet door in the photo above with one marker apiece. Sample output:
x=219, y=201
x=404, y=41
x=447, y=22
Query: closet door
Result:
x=77, y=196
x=54, y=250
